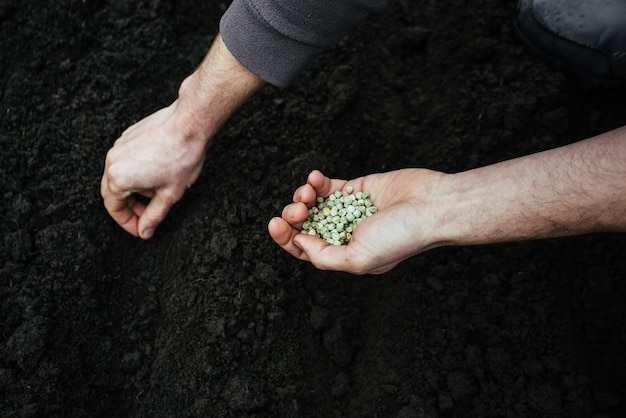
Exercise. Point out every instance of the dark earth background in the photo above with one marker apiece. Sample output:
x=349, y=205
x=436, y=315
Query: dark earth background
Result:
x=211, y=318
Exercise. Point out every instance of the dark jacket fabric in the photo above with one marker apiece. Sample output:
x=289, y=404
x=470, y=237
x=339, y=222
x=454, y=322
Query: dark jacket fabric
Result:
x=277, y=39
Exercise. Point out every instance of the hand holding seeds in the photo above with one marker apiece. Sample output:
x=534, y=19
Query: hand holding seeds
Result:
x=398, y=229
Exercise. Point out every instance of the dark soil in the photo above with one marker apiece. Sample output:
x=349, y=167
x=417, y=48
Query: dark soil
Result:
x=211, y=318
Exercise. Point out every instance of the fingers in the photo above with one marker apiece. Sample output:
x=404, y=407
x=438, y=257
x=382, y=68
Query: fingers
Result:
x=121, y=206
x=283, y=230
x=302, y=246
x=305, y=194
x=283, y=234
x=295, y=214
x=317, y=185
x=155, y=212
x=134, y=216
x=323, y=185
x=355, y=258
x=137, y=218
x=321, y=254
x=337, y=257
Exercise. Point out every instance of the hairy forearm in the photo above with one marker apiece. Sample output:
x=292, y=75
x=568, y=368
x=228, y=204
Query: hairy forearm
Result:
x=213, y=92
x=576, y=189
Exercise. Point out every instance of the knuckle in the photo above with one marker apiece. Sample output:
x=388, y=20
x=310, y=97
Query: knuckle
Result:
x=169, y=196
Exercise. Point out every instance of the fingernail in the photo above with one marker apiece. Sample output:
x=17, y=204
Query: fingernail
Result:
x=291, y=211
x=147, y=233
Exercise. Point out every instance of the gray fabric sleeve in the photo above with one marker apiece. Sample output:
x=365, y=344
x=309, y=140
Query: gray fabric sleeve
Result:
x=277, y=39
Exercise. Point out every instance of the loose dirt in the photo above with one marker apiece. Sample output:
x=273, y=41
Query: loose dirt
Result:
x=211, y=318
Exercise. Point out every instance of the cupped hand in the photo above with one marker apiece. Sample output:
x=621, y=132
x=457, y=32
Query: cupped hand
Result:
x=156, y=158
x=403, y=226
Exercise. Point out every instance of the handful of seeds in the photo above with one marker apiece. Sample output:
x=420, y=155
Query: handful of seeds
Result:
x=334, y=219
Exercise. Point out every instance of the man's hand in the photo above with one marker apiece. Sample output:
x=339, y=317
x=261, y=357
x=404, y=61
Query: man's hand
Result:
x=162, y=155
x=154, y=158
x=576, y=189
x=402, y=227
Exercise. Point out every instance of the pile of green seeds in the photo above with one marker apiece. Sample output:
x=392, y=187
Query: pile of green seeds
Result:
x=334, y=218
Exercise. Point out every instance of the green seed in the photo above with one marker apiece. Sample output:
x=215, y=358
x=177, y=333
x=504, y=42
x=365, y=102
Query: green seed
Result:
x=334, y=218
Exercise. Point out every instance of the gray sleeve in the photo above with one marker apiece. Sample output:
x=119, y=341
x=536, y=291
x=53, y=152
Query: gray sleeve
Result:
x=277, y=39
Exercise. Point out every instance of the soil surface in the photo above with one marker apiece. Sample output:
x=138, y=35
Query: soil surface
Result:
x=211, y=318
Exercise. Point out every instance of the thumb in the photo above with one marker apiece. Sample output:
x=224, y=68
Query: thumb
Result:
x=321, y=254
x=155, y=213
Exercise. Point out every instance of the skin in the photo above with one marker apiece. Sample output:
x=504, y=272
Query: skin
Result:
x=162, y=155
x=577, y=189
x=571, y=190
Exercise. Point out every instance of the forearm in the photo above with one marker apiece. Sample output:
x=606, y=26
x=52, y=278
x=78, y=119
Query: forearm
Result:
x=213, y=92
x=576, y=189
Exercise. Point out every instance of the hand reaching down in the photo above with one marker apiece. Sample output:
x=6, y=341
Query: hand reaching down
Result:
x=153, y=158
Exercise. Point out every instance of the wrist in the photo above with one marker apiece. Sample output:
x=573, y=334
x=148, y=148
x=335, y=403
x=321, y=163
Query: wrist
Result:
x=214, y=91
x=474, y=208
x=446, y=205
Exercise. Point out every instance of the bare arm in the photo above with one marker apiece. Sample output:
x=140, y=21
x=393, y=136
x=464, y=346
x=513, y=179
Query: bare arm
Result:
x=576, y=189
x=162, y=155
x=218, y=87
